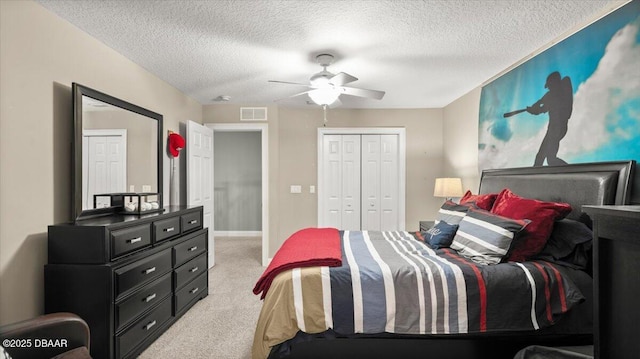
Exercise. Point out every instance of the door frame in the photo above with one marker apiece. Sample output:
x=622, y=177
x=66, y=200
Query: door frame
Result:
x=402, y=141
x=264, y=139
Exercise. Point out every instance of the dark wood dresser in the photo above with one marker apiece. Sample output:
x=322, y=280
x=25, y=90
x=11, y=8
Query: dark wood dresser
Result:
x=128, y=276
x=616, y=274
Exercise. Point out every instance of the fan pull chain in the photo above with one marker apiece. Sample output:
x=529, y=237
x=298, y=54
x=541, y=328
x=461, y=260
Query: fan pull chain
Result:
x=324, y=108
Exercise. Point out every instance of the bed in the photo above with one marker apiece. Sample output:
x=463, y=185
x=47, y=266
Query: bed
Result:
x=394, y=295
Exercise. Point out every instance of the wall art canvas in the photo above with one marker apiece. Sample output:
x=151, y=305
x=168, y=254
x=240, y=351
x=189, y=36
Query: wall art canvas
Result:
x=578, y=101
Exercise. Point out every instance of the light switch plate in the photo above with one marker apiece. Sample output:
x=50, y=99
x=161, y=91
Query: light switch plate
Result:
x=146, y=188
x=312, y=189
x=296, y=188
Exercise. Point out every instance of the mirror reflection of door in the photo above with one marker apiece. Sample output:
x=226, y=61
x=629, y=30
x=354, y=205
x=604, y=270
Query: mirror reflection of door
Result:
x=104, y=156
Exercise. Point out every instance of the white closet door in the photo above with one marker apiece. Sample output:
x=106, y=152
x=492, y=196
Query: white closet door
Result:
x=380, y=181
x=341, y=175
x=389, y=182
x=361, y=179
x=351, y=182
x=371, y=182
x=332, y=177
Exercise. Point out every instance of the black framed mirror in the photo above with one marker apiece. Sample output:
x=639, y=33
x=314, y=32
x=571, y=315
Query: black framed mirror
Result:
x=117, y=156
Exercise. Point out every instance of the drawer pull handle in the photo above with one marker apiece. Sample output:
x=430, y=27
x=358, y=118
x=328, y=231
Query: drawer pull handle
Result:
x=150, y=298
x=194, y=269
x=193, y=248
x=150, y=325
x=193, y=221
x=194, y=290
x=134, y=240
x=170, y=229
x=150, y=270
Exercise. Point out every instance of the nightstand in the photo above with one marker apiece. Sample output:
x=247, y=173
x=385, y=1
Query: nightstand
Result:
x=616, y=287
x=425, y=225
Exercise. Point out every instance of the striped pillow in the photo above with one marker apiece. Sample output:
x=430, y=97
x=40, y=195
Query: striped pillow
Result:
x=485, y=237
x=451, y=212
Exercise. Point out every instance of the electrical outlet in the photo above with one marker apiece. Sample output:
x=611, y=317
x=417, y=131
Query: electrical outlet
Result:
x=312, y=189
x=146, y=188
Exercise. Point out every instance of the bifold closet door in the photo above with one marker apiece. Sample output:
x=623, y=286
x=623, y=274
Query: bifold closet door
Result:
x=380, y=178
x=342, y=178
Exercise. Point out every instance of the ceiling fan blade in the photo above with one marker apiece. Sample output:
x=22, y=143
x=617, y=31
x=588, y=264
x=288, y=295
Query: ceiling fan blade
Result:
x=289, y=83
x=375, y=94
x=342, y=78
x=298, y=94
x=336, y=103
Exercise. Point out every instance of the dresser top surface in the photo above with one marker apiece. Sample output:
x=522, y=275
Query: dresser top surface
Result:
x=124, y=218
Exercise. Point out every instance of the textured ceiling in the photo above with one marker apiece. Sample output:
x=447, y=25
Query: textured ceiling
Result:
x=424, y=54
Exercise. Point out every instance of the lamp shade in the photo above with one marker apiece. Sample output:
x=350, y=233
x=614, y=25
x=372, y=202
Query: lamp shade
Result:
x=448, y=187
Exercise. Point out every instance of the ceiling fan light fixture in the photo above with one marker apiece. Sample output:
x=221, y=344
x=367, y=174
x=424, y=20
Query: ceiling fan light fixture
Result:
x=324, y=96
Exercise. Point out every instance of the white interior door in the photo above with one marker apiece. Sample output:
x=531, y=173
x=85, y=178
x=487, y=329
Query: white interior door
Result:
x=199, y=147
x=104, y=155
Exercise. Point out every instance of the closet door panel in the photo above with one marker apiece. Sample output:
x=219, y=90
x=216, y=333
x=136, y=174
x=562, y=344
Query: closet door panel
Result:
x=332, y=177
x=351, y=182
x=389, y=182
x=371, y=182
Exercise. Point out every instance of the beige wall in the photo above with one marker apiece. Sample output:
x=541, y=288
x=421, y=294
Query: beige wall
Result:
x=293, y=158
x=41, y=55
x=460, y=145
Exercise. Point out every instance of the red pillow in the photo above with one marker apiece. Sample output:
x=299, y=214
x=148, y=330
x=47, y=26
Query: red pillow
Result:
x=482, y=201
x=542, y=216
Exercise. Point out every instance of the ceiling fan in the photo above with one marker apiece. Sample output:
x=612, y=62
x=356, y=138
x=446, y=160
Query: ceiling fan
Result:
x=325, y=87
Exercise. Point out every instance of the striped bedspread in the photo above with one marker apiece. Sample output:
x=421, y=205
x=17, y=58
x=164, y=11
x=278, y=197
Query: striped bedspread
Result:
x=392, y=282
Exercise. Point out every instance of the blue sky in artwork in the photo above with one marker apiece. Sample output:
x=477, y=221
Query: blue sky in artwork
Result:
x=602, y=62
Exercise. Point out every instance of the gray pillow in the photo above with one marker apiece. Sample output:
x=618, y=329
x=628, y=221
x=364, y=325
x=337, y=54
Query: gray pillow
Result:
x=485, y=237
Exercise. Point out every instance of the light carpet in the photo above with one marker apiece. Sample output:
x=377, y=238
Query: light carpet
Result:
x=222, y=324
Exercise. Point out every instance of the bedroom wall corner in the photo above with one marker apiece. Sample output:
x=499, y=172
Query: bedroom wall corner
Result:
x=460, y=132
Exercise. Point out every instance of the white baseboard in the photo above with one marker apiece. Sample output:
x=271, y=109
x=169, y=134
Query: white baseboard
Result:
x=237, y=233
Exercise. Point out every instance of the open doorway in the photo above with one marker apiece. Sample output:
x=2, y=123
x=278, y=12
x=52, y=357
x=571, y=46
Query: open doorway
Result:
x=241, y=188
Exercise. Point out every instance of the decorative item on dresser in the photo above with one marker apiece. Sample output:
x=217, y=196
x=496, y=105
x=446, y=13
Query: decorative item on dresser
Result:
x=616, y=257
x=128, y=276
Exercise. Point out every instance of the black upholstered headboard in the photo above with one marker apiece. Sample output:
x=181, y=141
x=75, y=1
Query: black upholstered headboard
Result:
x=598, y=183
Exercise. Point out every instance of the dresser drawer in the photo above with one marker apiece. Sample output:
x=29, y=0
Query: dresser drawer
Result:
x=191, y=221
x=142, y=271
x=144, y=327
x=185, y=273
x=145, y=298
x=129, y=239
x=196, y=289
x=166, y=228
x=188, y=249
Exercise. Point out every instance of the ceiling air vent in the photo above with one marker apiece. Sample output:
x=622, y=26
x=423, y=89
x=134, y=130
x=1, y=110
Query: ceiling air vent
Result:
x=253, y=113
